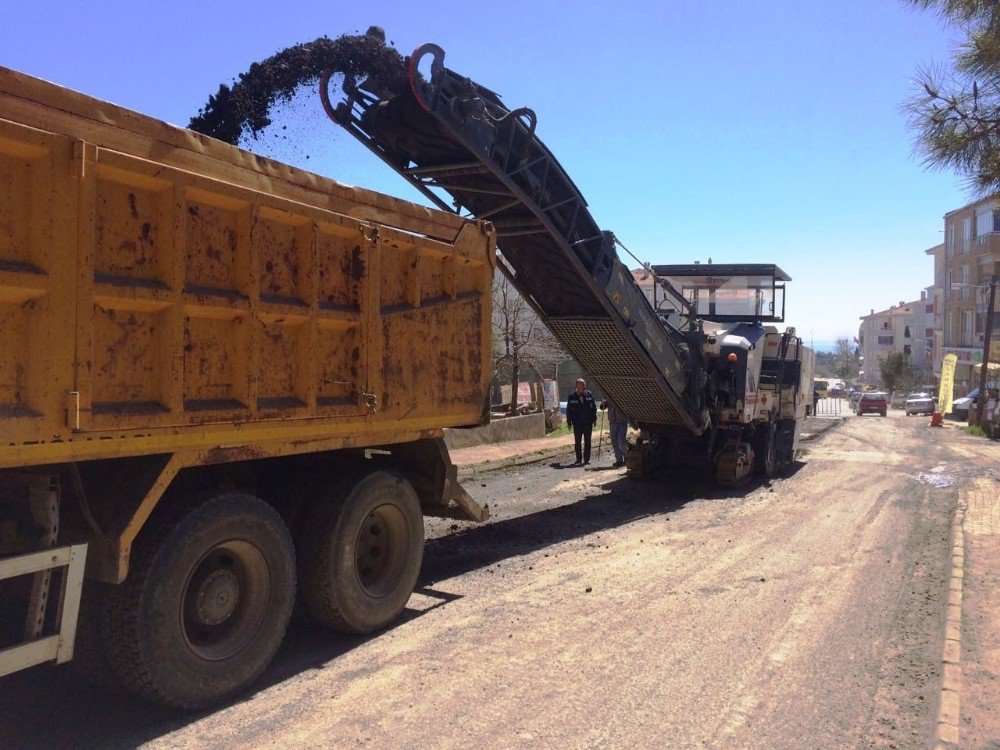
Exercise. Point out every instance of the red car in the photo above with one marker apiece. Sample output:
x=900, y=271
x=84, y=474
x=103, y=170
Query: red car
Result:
x=873, y=403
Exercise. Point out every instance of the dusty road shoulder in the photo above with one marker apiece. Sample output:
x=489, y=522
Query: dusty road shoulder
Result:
x=971, y=689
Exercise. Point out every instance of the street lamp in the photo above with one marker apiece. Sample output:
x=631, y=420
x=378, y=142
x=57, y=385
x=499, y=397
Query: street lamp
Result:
x=984, y=366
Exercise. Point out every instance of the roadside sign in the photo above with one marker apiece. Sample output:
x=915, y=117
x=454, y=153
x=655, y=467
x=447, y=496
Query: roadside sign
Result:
x=947, y=383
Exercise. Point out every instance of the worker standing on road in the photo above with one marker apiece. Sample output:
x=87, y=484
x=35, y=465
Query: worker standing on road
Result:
x=581, y=414
x=619, y=428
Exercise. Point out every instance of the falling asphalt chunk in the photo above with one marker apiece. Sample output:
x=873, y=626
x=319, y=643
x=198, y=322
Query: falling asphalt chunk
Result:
x=243, y=108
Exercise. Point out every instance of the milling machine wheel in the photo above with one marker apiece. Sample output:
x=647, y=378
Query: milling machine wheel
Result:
x=764, y=450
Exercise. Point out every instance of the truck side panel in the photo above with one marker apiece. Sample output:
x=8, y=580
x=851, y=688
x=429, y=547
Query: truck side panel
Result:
x=155, y=298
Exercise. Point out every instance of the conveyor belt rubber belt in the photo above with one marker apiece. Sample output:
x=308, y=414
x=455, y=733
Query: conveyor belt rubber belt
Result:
x=449, y=134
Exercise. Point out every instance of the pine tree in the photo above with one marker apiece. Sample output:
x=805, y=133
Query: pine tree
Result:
x=956, y=114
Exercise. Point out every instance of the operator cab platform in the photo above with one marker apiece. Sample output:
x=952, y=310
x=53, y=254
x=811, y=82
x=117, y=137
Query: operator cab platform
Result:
x=728, y=292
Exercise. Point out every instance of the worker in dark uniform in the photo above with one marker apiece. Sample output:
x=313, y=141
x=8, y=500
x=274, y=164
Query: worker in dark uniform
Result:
x=581, y=414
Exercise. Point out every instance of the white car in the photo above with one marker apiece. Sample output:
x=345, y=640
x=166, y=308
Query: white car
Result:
x=960, y=406
x=919, y=403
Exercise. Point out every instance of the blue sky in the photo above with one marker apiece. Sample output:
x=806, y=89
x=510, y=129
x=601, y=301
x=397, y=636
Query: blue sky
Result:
x=768, y=131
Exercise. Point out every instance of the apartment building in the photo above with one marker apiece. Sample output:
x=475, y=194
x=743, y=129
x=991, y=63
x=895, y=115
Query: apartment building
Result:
x=923, y=330
x=971, y=259
x=935, y=311
x=888, y=332
x=645, y=281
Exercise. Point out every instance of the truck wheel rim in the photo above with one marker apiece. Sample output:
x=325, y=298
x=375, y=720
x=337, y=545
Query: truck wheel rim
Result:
x=380, y=554
x=225, y=600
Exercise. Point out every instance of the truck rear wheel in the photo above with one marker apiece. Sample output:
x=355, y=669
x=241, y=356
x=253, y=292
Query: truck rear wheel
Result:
x=360, y=554
x=206, y=603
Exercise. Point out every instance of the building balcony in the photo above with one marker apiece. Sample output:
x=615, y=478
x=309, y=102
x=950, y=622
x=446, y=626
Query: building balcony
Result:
x=989, y=240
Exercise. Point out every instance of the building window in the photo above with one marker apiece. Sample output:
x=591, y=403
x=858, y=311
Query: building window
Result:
x=948, y=333
x=966, y=233
x=885, y=340
x=907, y=350
x=950, y=245
x=965, y=280
x=929, y=333
x=967, y=328
x=906, y=332
x=987, y=218
x=949, y=280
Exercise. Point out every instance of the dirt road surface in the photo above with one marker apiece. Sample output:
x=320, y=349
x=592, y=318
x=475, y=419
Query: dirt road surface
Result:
x=597, y=612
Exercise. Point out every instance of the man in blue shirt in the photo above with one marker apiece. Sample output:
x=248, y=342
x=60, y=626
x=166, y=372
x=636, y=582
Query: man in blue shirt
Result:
x=581, y=414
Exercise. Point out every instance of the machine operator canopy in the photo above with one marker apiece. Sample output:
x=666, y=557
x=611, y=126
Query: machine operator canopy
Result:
x=730, y=292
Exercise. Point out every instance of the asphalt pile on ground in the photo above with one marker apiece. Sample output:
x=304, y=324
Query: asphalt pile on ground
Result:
x=243, y=108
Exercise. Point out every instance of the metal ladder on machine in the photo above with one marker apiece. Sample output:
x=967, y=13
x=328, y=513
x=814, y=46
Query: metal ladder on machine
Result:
x=452, y=135
x=777, y=379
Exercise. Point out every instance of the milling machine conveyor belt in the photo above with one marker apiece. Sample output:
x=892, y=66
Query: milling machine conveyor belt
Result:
x=450, y=134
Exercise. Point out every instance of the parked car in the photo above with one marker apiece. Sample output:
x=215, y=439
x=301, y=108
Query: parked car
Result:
x=960, y=406
x=873, y=403
x=919, y=403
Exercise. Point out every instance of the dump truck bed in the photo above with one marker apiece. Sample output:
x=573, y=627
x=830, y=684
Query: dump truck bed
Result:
x=161, y=290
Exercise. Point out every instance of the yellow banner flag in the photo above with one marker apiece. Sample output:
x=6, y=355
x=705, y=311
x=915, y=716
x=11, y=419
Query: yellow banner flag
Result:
x=947, y=383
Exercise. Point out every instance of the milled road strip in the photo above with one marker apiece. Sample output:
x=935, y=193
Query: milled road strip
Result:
x=949, y=708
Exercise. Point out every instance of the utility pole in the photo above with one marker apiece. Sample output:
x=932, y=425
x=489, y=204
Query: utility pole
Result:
x=985, y=367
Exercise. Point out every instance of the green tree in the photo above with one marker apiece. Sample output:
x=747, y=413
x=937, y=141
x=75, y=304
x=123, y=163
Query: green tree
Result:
x=956, y=114
x=897, y=372
x=846, y=364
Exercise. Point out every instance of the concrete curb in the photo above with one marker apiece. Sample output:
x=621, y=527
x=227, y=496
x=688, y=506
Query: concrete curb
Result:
x=951, y=657
x=464, y=472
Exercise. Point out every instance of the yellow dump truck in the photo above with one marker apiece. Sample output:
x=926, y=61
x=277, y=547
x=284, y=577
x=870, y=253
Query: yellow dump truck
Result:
x=223, y=384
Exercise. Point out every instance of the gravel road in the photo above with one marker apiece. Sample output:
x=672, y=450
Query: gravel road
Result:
x=594, y=611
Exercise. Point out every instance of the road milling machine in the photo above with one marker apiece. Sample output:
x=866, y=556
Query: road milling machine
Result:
x=700, y=374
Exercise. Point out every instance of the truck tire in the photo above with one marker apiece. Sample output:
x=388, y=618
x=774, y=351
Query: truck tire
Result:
x=206, y=603
x=764, y=451
x=360, y=554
